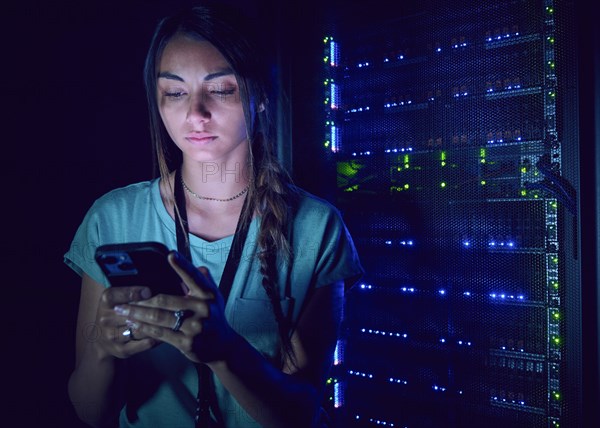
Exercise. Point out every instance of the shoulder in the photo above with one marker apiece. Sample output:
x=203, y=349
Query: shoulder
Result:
x=123, y=197
x=307, y=204
x=314, y=215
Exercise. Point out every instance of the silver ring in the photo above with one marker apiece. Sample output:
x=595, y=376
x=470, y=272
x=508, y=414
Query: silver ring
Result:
x=179, y=317
x=128, y=332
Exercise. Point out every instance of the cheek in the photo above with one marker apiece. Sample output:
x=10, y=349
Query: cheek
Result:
x=241, y=121
x=168, y=114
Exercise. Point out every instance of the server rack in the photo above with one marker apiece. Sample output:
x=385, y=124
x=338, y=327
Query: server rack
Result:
x=444, y=130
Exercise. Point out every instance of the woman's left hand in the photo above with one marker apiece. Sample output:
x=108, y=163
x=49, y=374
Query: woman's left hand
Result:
x=195, y=323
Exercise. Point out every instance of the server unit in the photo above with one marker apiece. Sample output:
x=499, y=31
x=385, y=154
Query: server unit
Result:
x=444, y=128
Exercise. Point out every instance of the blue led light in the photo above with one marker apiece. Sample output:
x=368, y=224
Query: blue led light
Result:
x=504, y=296
x=380, y=422
x=334, y=139
x=334, y=96
x=338, y=400
x=334, y=54
x=442, y=292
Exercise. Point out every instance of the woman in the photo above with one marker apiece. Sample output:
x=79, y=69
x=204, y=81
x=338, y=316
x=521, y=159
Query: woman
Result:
x=258, y=355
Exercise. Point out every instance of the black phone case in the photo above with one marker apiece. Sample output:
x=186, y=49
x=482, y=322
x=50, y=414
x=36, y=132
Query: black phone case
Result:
x=139, y=264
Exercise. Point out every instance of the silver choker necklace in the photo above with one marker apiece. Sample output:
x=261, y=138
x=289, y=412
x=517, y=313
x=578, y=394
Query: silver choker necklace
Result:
x=206, y=198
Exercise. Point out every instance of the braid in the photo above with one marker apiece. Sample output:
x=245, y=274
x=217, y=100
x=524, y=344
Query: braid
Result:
x=272, y=204
x=269, y=273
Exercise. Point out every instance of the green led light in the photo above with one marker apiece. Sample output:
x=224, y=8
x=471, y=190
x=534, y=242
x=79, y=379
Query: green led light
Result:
x=556, y=341
x=442, y=184
x=326, y=144
x=482, y=161
x=406, y=165
x=443, y=163
x=556, y=315
x=483, y=182
x=523, y=192
x=443, y=155
x=523, y=169
x=556, y=395
x=406, y=186
x=482, y=153
x=550, y=9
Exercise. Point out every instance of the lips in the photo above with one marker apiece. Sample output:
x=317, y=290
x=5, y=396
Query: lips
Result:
x=200, y=137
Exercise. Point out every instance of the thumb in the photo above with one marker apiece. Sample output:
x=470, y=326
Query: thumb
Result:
x=198, y=283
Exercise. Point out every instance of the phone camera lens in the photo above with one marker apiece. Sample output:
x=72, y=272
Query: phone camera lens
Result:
x=126, y=266
x=111, y=260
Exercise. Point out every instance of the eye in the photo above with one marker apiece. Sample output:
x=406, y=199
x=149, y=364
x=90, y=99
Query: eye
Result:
x=223, y=92
x=175, y=94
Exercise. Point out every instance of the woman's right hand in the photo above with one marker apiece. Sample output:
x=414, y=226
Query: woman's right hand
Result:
x=116, y=334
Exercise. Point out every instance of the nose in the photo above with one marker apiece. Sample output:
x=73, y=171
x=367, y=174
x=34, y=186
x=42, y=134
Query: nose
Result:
x=197, y=110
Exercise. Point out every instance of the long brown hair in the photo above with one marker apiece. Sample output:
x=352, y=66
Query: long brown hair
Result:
x=270, y=194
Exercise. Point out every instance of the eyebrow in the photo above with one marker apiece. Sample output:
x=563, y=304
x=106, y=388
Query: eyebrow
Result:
x=211, y=76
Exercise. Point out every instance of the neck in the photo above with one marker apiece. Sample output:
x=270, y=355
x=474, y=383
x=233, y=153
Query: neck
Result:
x=215, y=180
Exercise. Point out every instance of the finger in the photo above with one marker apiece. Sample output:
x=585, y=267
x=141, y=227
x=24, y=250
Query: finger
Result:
x=136, y=346
x=198, y=284
x=116, y=295
x=181, y=339
x=132, y=332
x=159, y=317
x=126, y=335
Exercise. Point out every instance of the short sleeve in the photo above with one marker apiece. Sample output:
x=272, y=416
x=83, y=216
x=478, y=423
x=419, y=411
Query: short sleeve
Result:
x=80, y=256
x=338, y=259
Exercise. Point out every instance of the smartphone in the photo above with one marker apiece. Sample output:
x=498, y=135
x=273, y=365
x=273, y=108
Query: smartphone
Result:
x=139, y=263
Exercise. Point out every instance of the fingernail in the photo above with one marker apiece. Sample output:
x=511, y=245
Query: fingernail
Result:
x=146, y=293
x=121, y=310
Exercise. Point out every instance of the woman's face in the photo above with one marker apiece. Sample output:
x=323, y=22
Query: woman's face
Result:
x=199, y=102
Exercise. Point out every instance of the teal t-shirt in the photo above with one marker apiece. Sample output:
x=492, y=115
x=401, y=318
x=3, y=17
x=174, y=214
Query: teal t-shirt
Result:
x=162, y=384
